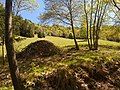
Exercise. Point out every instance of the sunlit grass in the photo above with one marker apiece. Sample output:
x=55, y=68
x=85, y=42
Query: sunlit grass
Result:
x=108, y=43
x=6, y=88
x=58, y=41
x=61, y=42
x=36, y=68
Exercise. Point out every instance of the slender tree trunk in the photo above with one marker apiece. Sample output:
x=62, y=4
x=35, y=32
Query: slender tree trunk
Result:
x=91, y=19
x=87, y=30
x=97, y=36
x=14, y=71
x=116, y=5
x=96, y=41
x=94, y=24
x=72, y=25
x=3, y=53
x=77, y=47
x=3, y=42
x=99, y=24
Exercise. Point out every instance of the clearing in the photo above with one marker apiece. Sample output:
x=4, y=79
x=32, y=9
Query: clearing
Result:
x=92, y=69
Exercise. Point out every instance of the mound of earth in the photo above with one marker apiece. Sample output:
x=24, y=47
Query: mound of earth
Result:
x=40, y=48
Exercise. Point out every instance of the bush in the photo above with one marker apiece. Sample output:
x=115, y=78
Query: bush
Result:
x=63, y=35
x=53, y=34
x=83, y=34
x=27, y=33
x=41, y=35
x=70, y=36
x=113, y=38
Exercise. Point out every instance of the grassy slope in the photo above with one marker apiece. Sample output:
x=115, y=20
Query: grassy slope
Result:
x=61, y=42
x=39, y=66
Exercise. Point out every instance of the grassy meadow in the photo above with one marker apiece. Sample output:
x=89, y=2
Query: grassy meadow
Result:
x=35, y=67
x=58, y=41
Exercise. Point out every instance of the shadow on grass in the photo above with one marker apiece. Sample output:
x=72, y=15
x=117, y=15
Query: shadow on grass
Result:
x=34, y=67
x=1, y=61
x=81, y=61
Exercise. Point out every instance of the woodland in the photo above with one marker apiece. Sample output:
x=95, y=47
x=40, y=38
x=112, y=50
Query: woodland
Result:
x=75, y=45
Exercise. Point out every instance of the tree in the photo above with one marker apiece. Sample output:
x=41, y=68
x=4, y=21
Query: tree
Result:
x=14, y=71
x=16, y=24
x=63, y=11
x=26, y=28
x=116, y=10
x=2, y=14
x=115, y=4
x=94, y=12
x=23, y=5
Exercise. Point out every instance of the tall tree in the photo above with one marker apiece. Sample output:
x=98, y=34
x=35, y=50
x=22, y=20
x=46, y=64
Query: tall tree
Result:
x=63, y=11
x=14, y=71
x=94, y=12
x=115, y=3
x=2, y=14
x=23, y=5
x=116, y=10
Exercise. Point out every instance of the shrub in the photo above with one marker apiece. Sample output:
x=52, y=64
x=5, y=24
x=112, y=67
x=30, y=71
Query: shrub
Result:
x=53, y=34
x=83, y=34
x=27, y=33
x=63, y=35
x=113, y=38
x=70, y=36
x=41, y=35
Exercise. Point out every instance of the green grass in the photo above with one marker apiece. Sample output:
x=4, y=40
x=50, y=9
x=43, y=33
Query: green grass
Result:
x=40, y=66
x=6, y=88
x=108, y=43
x=56, y=40
x=66, y=60
x=61, y=42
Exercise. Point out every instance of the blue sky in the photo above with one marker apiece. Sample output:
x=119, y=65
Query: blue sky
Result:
x=33, y=16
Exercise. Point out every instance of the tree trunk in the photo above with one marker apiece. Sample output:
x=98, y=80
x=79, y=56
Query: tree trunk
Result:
x=76, y=45
x=96, y=42
x=72, y=25
x=116, y=5
x=94, y=27
x=87, y=26
x=14, y=71
x=91, y=20
x=3, y=52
